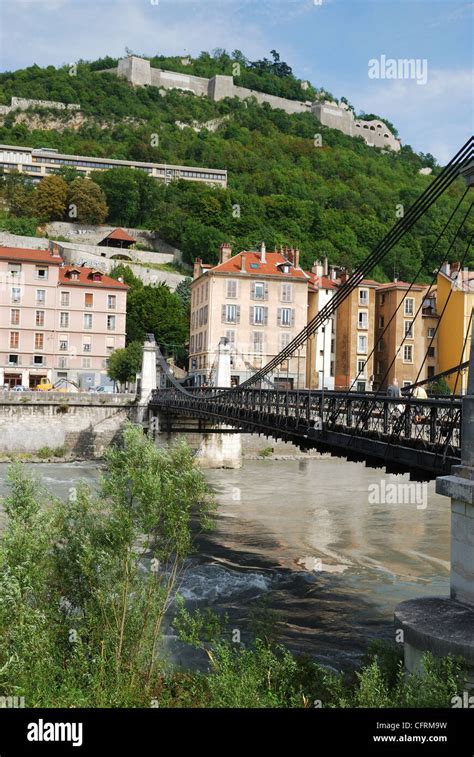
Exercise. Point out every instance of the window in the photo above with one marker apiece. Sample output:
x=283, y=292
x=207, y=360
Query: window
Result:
x=63, y=345
x=258, y=315
x=14, y=270
x=87, y=344
x=14, y=340
x=64, y=320
x=258, y=290
x=40, y=296
x=285, y=317
x=431, y=371
x=431, y=351
x=62, y=362
x=87, y=320
x=408, y=353
x=40, y=318
x=230, y=336
x=74, y=275
x=363, y=320
x=257, y=338
x=360, y=386
x=286, y=292
x=41, y=272
x=109, y=343
x=88, y=300
x=431, y=333
x=409, y=304
x=38, y=360
x=110, y=323
x=111, y=301
x=381, y=321
x=191, y=345
x=15, y=317
x=39, y=341
x=14, y=360
x=361, y=367
x=64, y=299
x=407, y=383
x=363, y=296
x=86, y=362
x=231, y=313
x=362, y=344
x=16, y=294
x=231, y=288
x=408, y=329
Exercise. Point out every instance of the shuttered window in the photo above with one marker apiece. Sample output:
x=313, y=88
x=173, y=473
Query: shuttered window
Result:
x=286, y=292
x=285, y=317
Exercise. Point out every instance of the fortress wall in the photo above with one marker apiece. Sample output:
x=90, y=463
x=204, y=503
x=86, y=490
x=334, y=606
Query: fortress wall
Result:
x=172, y=80
x=289, y=106
x=23, y=103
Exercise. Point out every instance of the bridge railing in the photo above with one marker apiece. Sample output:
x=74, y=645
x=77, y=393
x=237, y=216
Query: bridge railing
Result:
x=431, y=422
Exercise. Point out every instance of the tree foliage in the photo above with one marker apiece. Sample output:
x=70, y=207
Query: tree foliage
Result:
x=86, y=202
x=50, y=198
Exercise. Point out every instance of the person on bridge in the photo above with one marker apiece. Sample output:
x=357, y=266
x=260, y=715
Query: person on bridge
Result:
x=420, y=394
x=393, y=390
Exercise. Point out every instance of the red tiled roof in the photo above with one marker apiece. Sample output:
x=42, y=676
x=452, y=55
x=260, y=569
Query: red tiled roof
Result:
x=121, y=235
x=322, y=282
x=84, y=279
x=29, y=255
x=269, y=268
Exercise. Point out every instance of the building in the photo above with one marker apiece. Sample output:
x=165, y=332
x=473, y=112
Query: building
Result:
x=321, y=347
x=375, y=133
x=37, y=163
x=258, y=300
x=117, y=238
x=355, y=333
x=406, y=337
x=57, y=321
x=454, y=296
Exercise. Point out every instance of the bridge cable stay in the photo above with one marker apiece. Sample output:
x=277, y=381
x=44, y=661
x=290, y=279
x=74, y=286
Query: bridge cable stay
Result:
x=448, y=175
x=379, y=391
x=369, y=410
x=412, y=284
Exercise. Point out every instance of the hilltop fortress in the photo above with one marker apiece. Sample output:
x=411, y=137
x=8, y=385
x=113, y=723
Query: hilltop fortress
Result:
x=140, y=73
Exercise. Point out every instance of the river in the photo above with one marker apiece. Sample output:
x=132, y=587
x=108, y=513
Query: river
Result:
x=305, y=536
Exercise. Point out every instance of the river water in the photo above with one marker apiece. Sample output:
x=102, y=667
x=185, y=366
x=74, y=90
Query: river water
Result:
x=306, y=538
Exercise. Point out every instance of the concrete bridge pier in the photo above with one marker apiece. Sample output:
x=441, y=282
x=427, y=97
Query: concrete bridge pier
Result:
x=221, y=450
x=445, y=625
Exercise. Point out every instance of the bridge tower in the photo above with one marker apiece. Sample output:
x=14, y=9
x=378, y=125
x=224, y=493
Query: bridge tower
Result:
x=445, y=625
x=221, y=450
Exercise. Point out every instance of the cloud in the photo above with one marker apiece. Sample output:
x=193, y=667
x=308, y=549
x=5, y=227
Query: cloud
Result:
x=436, y=117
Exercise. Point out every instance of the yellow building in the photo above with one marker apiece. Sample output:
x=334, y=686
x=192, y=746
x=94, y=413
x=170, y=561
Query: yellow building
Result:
x=455, y=294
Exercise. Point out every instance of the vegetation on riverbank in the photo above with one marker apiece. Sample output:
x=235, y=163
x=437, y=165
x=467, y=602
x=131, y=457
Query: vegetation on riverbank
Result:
x=87, y=585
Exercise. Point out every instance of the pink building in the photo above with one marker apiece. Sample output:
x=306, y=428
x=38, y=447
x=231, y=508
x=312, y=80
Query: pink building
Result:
x=57, y=321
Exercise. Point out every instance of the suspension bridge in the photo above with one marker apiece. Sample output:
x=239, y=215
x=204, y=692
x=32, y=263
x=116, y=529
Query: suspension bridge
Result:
x=405, y=434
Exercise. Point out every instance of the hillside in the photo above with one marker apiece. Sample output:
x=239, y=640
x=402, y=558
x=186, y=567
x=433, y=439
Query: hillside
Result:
x=336, y=200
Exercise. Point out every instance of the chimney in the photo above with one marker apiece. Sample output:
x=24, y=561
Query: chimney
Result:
x=296, y=257
x=326, y=266
x=455, y=267
x=446, y=268
x=197, y=270
x=242, y=262
x=263, y=253
x=225, y=252
x=290, y=255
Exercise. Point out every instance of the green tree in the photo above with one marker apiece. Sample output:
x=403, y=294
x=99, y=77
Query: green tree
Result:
x=86, y=202
x=50, y=198
x=18, y=191
x=125, y=363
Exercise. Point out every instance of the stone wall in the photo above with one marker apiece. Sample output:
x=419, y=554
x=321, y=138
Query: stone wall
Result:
x=22, y=103
x=89, y=234
x=139, y=73
x=83, y=424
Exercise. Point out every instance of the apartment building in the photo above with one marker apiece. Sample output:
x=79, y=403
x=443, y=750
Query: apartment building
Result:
x=355, y=331
x=258, y=300
x=406, y=339
x=39, y=162
x=321, y=346
x=455, y=296
x=57, y=321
